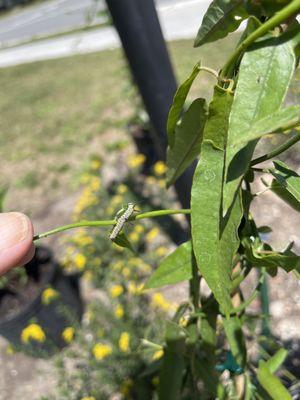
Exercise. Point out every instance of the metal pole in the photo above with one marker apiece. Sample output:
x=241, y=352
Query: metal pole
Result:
x=138, y=26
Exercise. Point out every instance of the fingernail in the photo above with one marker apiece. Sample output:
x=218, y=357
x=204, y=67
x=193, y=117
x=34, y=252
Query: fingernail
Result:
x=14, y=228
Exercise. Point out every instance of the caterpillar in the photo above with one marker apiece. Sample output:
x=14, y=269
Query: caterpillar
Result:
x=121, y=220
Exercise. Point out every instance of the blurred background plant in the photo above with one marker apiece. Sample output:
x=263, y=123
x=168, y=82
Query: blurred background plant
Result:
x=107, y=354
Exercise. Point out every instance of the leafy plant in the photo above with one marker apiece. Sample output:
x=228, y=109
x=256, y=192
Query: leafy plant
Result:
x=226, y=244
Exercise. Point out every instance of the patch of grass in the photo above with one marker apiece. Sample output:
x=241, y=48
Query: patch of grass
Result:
x=55, y=114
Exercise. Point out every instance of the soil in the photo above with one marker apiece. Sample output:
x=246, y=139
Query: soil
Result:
x=16, y=295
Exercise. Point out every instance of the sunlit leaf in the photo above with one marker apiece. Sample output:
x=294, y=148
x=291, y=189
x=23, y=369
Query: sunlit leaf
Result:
x=214, y=238
x=176, y=267
x=221, y=18
x=265, y=74
x=287, y=179
x=278, y=122
x=178, y=103
x=188, y=139
x=276, y=360
x=271, y=383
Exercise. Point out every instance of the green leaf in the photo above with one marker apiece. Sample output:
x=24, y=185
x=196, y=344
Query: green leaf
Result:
x=287, y=179
x=271, y=383
x=176, y=267
x=235, y=337
x=188, y=139
x=214, y=239
x=287, y=260
x=278, y=122
x=265, y=74
x=122, y=241
x=178, y=103
x=221, y=18
x=208, y=345
x=171, y=374
x=274, y=362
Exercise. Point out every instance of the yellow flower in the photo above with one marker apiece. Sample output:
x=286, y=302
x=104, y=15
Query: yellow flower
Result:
x=126, y=272
x=96, y=164
x=101, y=351
x=80, y=261
x=48, y=295
x=68, y=334
x=136, y=160
x=158, y=354
x=135, y=289
x=33, y=332
x=151, y=235
x=95, y=184
x=183, y=321
x=124, y=342
x=160, y=168
x=139, y=228
x=116, y=290
x=133, y=237
x=118, y=265
x=158, y=301
x=119, y=311
x=161, y=251
x=122, y=189
x=88, y=398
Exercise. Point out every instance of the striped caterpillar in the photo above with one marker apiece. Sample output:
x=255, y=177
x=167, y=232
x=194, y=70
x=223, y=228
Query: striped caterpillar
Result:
x=121, y=220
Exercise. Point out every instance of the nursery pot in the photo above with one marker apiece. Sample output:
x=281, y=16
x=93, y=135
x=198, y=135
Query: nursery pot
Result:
x=53, y=316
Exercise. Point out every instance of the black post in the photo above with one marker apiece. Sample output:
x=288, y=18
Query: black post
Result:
x=138, y=26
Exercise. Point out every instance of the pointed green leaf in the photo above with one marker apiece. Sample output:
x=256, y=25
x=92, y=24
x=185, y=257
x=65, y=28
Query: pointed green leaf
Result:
x=287, y=179
x=235, y=337
x=214, y=239
x=265, y=74
x=278, y=122
x=221, y=18
x=122, y=241
x=176, y=267
x=271, y=383
x=188, y=139
x=275, y=362
x=288, y=260
x=178, y=103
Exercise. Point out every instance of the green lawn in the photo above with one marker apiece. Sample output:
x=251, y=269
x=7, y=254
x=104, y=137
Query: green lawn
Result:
x=55, y=114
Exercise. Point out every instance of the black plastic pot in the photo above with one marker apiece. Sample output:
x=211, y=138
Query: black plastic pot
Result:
x=64, y=311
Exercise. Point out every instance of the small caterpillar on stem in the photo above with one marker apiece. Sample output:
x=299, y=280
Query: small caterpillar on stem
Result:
x=122, y=220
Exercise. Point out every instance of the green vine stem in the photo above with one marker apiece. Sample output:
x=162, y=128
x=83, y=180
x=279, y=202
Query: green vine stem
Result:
x=277, y=19
x=280, y=149
x=110, y=222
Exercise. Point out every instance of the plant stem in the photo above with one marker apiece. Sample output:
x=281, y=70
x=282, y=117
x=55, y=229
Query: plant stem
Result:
x=150, y=214
x=161, y=213
x=285, y=146
x=276, y=20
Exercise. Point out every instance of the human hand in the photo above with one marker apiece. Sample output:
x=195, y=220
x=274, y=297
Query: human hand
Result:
x=16, y=240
